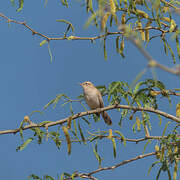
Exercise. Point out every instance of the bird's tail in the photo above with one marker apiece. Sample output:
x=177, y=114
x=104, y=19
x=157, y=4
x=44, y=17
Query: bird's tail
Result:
x=106, y=118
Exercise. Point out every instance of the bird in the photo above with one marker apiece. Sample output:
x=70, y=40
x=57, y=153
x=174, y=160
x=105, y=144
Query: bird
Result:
x=94, y=100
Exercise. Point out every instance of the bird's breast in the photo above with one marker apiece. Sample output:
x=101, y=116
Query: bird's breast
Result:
x=92, y=99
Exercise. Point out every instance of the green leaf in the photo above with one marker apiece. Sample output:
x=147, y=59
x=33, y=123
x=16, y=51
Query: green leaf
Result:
x=171, y=51
x=83, y=118
x=138, y=85
x=175, y=170
x=117, y=44
x=20, y=148
x=81, y=133
x=21, y=134
x=21, y=130
x=104, y=47
x=35, y=177
x=89, y=6
x=43, y=42
x=71, y=109
x=39, y=133
x=138, y=123
x=165, y=128
x=44, y=122
x=158, y=174
x=12, y=2
x=178, y=46
x=21, y=3
x=62, y=176
x=114, y=147
x=122, y=136
x=47, y=177
x=66, y=133
x=75, y=127
x=54, y=101
x=50, y=53
x=67, y=22
x=54, y=135
x=165, y=46
x=145, y=146
x=137, y=78
x=114, y=87
x=122, y=48
x=91, y=18
x=73, y=175
x=160, y=119
x=36, y=111
x=48, y=104
x=152, y=165
x=96, y=154
x=67, y=174
x=64, y=3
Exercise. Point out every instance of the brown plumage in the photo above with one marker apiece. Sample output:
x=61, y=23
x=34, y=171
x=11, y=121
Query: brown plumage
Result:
x=94, y=100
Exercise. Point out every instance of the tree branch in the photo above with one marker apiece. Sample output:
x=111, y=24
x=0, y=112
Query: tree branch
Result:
x=76, y=37
x=131, y=140
x=89, y=175
x=122, y=163
x=81, y=114
x=169, y=4
x=152, y=62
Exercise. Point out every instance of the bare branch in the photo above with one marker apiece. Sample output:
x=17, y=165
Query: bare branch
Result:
x=89, y=175
x=122, y=163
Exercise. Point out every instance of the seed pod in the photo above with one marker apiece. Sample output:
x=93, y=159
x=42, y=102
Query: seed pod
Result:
x=113, y=7
x=154, y=93
x=141, y=31
x=104, y=20
x=166, y=19
x=147, y=31
x=139, y=2
x=66, y=133
x=156, y=148
x=138, y=123
x=142, y=14
x=157, y=151
x=123, y=18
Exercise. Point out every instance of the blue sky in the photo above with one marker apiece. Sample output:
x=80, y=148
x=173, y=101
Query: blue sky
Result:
x=29, y=81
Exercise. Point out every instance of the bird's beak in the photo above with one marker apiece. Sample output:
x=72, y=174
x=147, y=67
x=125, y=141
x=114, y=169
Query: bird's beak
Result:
x=80, y=84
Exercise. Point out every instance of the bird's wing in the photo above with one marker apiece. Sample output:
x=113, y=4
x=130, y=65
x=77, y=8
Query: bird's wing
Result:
x=101, y=103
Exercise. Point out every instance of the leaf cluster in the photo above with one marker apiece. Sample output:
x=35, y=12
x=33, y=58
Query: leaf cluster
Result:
x=168, y=154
